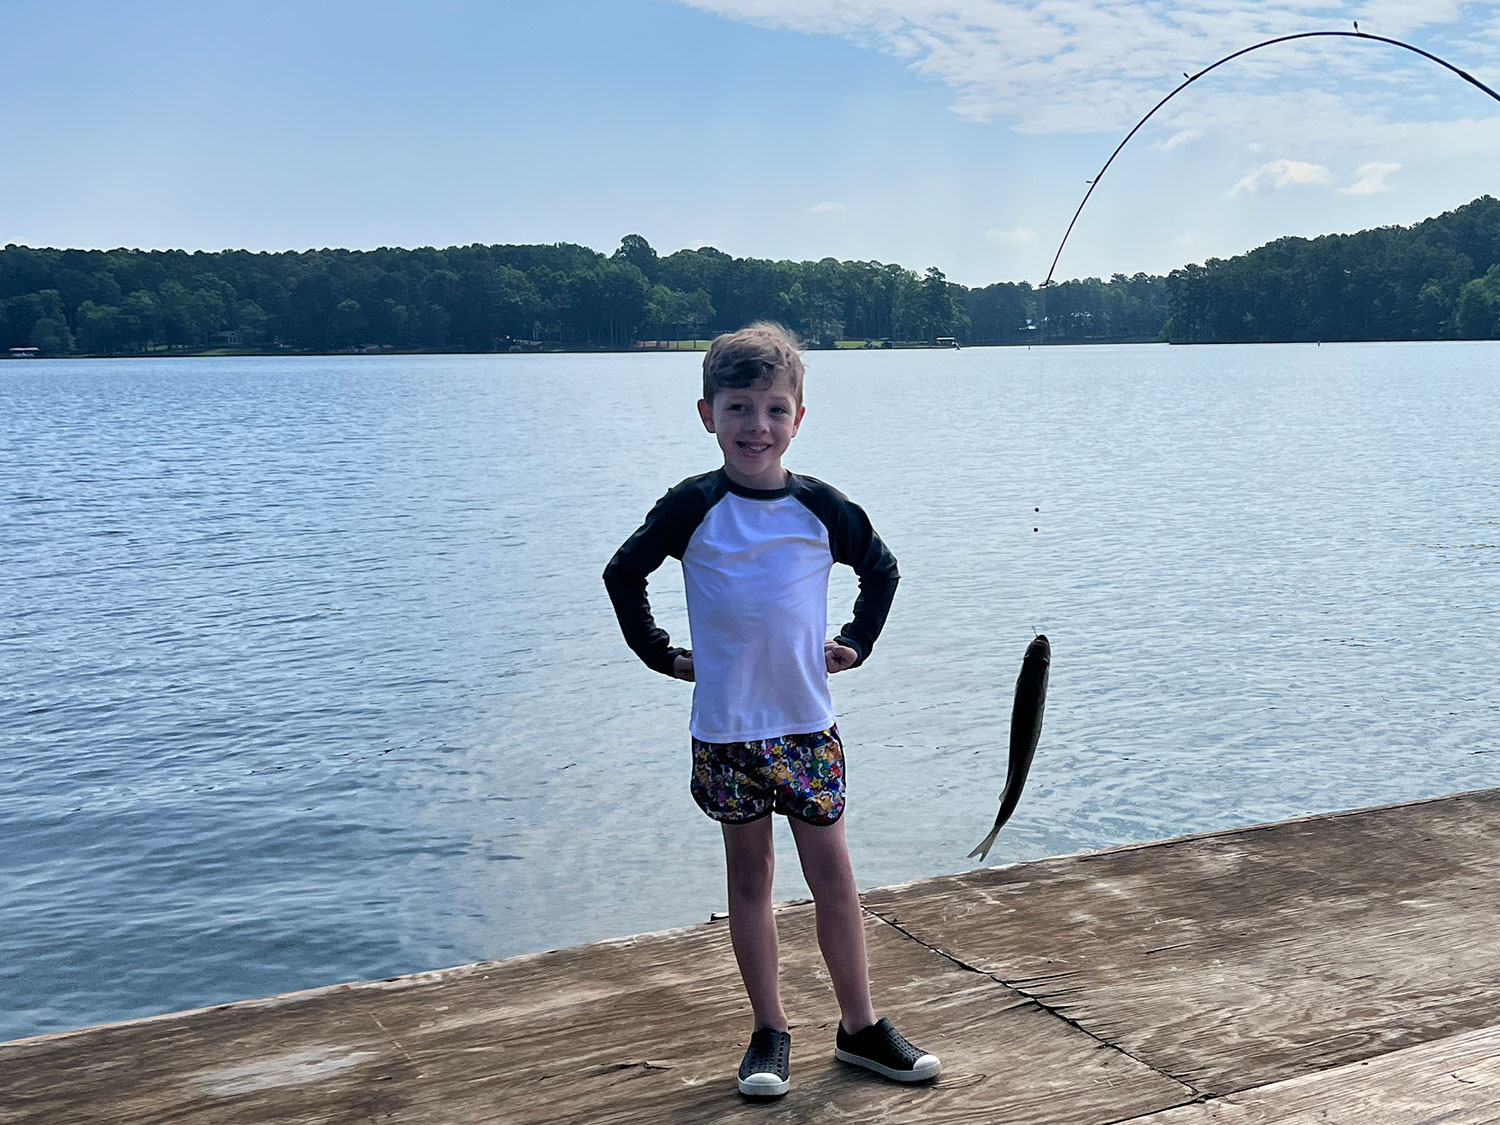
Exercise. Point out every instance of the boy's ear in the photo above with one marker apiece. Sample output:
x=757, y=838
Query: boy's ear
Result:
x=706, y=412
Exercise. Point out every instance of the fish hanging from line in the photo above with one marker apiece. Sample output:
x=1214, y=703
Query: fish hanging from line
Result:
x=1025, y=731
x=1189, y=79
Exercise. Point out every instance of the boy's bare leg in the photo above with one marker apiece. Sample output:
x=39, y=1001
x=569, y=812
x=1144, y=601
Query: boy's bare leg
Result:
x=841, y=931
x=750, y=861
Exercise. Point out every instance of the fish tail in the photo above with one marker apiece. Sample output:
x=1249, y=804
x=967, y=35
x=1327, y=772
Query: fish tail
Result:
x=986, y=844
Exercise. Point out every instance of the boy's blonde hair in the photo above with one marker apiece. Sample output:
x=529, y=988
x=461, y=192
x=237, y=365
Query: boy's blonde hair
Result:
x=752, y=355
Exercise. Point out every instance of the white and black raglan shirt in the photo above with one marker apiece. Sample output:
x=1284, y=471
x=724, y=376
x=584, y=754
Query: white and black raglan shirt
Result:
x=755, y=567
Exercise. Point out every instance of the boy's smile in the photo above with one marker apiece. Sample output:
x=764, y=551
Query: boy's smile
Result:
x=754, y=425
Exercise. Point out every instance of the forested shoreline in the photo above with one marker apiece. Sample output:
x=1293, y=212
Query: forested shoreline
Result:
x=1438, y=279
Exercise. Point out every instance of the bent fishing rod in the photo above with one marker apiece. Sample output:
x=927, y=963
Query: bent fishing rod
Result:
x=1191, y=78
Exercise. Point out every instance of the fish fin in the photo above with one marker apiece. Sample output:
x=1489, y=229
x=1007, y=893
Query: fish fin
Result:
x=986, y=844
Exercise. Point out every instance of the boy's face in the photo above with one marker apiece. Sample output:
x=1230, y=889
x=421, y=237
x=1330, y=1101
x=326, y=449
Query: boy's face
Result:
x=754, y=425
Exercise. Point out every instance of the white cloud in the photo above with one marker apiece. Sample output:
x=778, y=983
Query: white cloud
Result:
x=1048, y=66
x=1015, y=234
x=1279, y=174
x=1397, y=18
x=1179, y=138
x=1370, y=179
x=827, y=207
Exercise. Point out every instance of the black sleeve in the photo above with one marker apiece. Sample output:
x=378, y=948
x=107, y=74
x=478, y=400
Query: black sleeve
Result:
x=854, y=542
x=668, y=526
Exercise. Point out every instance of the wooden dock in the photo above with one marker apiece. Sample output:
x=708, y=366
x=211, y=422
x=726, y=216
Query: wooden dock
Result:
x=1337, y=968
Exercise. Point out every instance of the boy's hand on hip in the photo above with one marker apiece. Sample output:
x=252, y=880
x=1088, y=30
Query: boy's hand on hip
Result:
x=682, y=667
x=838, y=657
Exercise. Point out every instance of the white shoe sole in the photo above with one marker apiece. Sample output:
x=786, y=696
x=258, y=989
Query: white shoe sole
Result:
x=926, y=1067
x=764, y=1086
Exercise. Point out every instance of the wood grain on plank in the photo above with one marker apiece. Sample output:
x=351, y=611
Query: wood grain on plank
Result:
x=1455, y=1081
x=1242, y=958
x=649, y=1029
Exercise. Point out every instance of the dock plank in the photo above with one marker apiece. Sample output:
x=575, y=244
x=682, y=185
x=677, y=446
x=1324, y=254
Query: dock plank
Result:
x=649, y=1029
x=1335, y=968
x=1455, y=1081
x=1243, y=958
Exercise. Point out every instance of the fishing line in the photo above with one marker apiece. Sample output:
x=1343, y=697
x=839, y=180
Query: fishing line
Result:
x=1031, y=686
x=1191, y=78
x=1026, y=716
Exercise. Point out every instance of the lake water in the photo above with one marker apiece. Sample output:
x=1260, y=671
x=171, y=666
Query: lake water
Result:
x=307, y=673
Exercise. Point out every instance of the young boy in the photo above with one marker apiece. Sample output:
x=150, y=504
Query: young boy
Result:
x=757, y=544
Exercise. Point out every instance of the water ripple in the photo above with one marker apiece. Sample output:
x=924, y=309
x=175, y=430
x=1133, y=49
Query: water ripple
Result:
x=308, y=674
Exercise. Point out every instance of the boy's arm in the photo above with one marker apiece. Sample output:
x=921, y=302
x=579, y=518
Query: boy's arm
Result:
x=855, y=543
x=625, y=579
x=876, y=567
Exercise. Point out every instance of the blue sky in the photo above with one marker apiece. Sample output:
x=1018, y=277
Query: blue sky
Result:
x=955, y=133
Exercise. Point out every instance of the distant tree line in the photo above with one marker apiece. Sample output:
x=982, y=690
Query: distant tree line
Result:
x=1440, y=278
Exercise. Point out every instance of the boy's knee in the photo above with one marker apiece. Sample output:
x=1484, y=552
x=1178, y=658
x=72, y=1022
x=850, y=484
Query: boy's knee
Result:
x=828, y=872
x=830, y=881
x=751, y=876
x=750, y=863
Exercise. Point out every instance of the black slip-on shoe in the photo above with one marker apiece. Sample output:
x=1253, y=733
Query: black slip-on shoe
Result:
x=767, y=1069
x=881, y=1048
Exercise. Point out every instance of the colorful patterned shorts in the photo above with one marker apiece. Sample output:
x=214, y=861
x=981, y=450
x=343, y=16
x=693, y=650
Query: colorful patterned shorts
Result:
x=800, y=775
